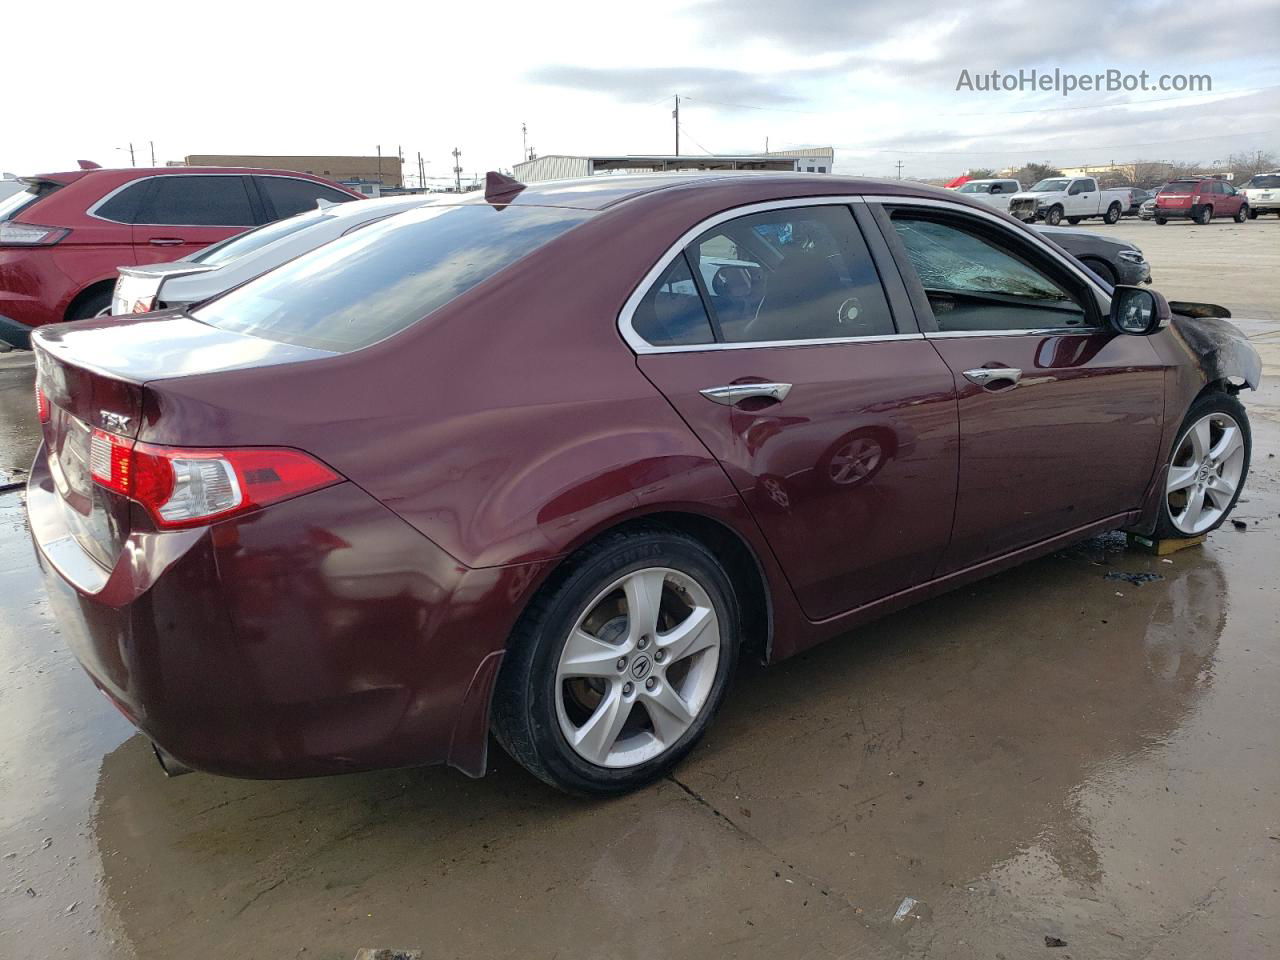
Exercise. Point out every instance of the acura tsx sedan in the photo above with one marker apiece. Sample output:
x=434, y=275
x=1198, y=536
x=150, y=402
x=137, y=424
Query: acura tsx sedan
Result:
x=546, y=461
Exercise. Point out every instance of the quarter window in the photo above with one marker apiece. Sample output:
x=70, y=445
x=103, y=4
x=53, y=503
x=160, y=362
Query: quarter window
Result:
x=671, y=313
x=290, y=195
x=122, y=207
x=975, y=282
x=200, y=201
x=796, y=274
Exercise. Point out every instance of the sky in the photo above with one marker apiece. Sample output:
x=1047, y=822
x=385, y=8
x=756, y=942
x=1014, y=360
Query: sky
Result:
x=876, y=80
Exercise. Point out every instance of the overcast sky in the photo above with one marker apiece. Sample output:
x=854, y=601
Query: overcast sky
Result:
x=877, y=80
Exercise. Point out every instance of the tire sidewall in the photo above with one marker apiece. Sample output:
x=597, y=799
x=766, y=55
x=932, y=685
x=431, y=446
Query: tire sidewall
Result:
x=1211, y=403
x=583, y=585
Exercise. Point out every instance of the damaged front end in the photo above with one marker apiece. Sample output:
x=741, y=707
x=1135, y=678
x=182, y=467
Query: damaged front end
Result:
x=1219, y=349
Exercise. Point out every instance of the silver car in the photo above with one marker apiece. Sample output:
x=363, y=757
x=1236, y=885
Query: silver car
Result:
x=217, y=268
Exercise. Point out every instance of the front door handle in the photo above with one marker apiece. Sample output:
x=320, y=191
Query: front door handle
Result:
x=737, y=392
x=991, y=377
x=165, y=241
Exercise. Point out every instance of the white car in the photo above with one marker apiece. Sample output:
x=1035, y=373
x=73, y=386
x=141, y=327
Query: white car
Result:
x=217, y=268
x=994, y=193
x=1263, y=193
x=1073, y=199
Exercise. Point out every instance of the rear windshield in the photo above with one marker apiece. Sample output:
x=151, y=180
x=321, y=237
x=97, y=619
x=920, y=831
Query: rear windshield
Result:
x=1264, y=180
x=1180, y=186
x=15, y=203
x=370, y=284
x=243, y=243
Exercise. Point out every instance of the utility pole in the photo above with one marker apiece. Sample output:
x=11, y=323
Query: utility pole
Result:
x=457, y=170
x=766, y=144
x=524, y=141
x=131, y=161
x=899, y=169
x=379, y=165
x=422, y=173
x=400, y=169
x=676, y=114
x=153, y=152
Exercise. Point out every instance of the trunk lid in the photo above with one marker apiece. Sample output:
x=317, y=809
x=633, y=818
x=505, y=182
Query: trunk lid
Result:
x=94, y=376
x=138, y=287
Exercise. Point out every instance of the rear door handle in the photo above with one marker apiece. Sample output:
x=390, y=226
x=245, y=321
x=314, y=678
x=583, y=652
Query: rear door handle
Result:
x=990, y=377
x=737, y=392
x=165, y=241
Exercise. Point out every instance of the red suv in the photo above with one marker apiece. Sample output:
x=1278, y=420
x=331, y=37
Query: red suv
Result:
x=63, y=237
x=1201, y=199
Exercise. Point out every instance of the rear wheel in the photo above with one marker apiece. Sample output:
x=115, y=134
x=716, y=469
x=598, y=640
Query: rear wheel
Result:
x=1203, y=215
x=95, y=305
x=618, y=667
x=1207, y=469
x=1243, y=214
x=1112, y=214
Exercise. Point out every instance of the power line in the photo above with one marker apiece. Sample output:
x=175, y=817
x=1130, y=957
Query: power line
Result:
x=685, y=131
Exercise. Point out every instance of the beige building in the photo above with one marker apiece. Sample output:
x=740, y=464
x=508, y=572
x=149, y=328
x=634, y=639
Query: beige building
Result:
x=385, y=169
x=561, y=166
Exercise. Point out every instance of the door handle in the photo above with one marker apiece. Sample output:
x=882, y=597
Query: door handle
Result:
x=987, y=377
x=737, y=392
x=165, y=241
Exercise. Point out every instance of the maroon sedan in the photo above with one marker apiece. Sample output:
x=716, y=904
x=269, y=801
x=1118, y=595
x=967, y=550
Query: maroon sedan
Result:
x=544, y=461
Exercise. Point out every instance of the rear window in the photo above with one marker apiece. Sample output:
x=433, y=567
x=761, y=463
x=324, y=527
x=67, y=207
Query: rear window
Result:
x=1266, y=181
x=375, y=282
x=243, y=243
x=15, y=203
x=1180, y=186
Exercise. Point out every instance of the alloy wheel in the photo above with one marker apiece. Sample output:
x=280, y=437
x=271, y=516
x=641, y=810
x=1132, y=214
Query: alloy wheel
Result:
x=1205, y=473
x=638, y=667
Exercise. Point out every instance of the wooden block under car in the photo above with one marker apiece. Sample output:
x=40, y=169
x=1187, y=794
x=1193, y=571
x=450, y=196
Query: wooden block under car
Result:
x=1162, y=548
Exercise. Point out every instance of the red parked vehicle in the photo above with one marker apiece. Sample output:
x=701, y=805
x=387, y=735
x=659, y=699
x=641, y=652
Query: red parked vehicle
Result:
x=545, y=460
x=64, y=236
x=1200, y=199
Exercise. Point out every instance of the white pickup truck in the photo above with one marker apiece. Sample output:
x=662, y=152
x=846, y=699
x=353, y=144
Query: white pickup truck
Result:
x=993, y=193
x=1068, y=198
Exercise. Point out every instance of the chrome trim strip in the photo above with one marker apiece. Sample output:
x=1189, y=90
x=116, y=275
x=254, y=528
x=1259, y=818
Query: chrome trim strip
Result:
x=642, y=346
x=1066, y=259
x=1039, y=332
x=761, y=344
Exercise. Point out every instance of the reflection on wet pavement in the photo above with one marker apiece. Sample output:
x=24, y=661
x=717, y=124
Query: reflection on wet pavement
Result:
x=1044, y=754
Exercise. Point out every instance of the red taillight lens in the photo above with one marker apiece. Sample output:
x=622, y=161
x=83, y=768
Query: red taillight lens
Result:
x=183, y=487
x=42, y=405
x=143, y=305
x=29, y=234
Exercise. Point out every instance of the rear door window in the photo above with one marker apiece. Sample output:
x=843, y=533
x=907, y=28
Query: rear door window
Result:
x=291, y=195
x=198, y=201
x=377, y=281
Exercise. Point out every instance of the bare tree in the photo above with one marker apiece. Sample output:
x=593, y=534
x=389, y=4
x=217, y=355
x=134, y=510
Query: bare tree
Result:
x=1244, y=165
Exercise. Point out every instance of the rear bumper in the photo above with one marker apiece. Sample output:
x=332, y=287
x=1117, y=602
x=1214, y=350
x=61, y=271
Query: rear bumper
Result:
x=317, y=636
x=1175, y=213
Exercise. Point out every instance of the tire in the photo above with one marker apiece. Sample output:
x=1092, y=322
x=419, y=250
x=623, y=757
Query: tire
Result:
x=1074, y=220
x=1243, y=214
x=1203, y=215
x=1054, y=216
x=94, y=305
x=1102, y=269
x=1162, y=220
x=1226, y=473
x=1253, y=214
x=542, y=707
x=1113, y=214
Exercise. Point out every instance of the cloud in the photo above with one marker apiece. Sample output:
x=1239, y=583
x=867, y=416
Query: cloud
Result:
x=643, y=84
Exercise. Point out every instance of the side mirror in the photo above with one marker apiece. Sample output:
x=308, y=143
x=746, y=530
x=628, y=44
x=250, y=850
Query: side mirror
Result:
x=1138, y=312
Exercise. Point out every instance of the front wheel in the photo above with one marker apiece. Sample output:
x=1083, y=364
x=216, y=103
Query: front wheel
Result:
x=1162, y=220
x=1207, y=469
x=617, y=668
x=1112, y=214
x=1054, y=216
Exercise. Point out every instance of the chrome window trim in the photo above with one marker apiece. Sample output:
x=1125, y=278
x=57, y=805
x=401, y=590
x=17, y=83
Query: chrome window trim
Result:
x=1039, y=332
x=642, y=346
x=1063, y=258
x=139, y=181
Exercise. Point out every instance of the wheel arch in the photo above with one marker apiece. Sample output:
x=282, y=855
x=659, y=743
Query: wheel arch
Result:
x=106, y=284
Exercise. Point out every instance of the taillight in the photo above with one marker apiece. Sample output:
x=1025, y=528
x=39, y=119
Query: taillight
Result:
x=1196, y=198
x=183, y=487
x=42, y=404
x=29, y=235
x=143, y=305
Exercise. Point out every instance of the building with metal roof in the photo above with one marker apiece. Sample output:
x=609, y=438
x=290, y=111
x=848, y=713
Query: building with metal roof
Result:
x=561, y=166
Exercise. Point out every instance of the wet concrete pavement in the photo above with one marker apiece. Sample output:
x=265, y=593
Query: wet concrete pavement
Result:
x=1045, y=754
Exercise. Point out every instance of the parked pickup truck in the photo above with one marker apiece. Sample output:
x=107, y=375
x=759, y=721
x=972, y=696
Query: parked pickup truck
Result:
x=1068, y=198
x=994, y=193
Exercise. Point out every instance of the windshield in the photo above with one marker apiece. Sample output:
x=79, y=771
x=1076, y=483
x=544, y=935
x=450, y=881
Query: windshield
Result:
x=975, y=188
x=1051, y=185
x=1264, y=180
x=15, y=203
x=366, y=286
x=242, y=243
